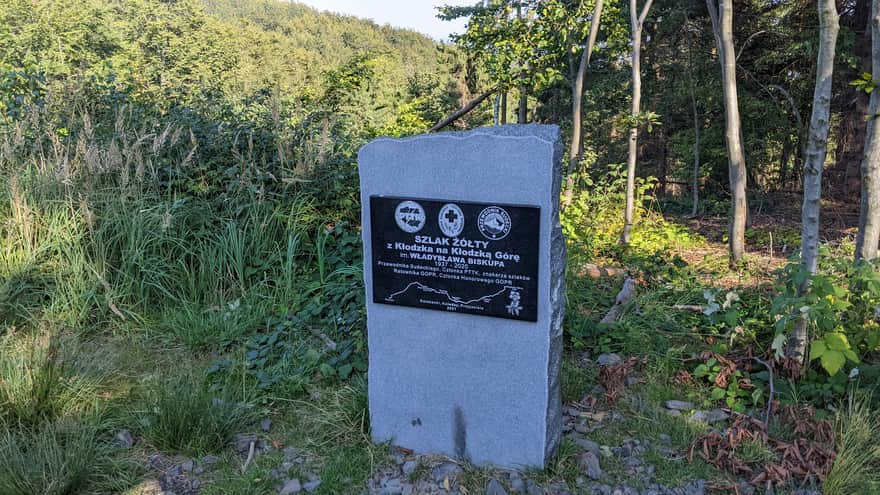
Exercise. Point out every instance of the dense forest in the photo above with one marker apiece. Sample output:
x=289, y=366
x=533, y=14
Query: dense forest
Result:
x=181, y=289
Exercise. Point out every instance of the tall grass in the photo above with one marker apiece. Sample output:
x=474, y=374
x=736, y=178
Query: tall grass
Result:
x=57, y=459
x=38, y=386
x=184, y=415
x=856, y=468
x=92, y=232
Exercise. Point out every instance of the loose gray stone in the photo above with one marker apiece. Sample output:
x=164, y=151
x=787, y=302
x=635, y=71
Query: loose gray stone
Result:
x=517, y=485
x=123, y=439
x=608, y=359
x=290, y=487
x=494, y=488
x=311, y=486
x=679, y=405
x=665, y=438
x=589, y=464
x=409, y=467
x=392, y=487
x=266, y=424
x=445, y=470
x=187, y=466
x=209, y=460
x=493, y=383
x=589, y=446
x=710, y=416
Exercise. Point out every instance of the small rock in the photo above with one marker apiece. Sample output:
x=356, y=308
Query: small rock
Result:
x=445, y=470
x=631, y=380
x=409, y=467
x=711, y=416
x=665, y=438
x=517, y=485
x=392, y=487
x=266, y=424
x=291, y=454
x=407, y=489
x=679, y=405
x=187, y=466
x=597, y=390
x=155, y=461
x=123, y=440
x=589, y=463
x=209, y=460
x=582, y=428
x=243, y=443
x=494, y=488
x=290, y=487
x=588, y=445
x=311, y=486
x=608, y=359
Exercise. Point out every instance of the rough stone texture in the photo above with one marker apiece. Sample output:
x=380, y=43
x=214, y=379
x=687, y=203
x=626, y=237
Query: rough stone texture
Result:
x=679, y=405
x=474, y=387
x=710, y=416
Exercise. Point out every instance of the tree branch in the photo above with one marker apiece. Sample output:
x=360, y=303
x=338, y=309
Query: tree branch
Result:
x=463, y=110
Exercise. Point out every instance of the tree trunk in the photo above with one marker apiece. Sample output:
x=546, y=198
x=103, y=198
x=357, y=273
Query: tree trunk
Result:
x=636, y=23
x=695, y=190
x=577, y=102
x=784, y=158
x=722, y=27
x=504, y=108
x=814, y=162
x=523, y=98
x=869, y=216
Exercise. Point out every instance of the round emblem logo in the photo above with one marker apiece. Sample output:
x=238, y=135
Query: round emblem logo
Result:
x=494, y=223
x=410, y=216
x=451, y=220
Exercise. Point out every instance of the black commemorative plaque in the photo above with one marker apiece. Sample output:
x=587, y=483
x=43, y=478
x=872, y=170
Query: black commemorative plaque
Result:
x=466, y=257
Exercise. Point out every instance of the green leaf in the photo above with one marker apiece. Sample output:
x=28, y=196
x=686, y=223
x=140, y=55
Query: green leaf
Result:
x=832, y=361
x=717, y=393
x=817, y=349
x=836, y=341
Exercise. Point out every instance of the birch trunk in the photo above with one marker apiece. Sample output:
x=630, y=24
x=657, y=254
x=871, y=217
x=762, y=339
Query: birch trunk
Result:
x=814, y=161
x=637, y=21
x=722, y=27
x=577, y=102
x=869, y=216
